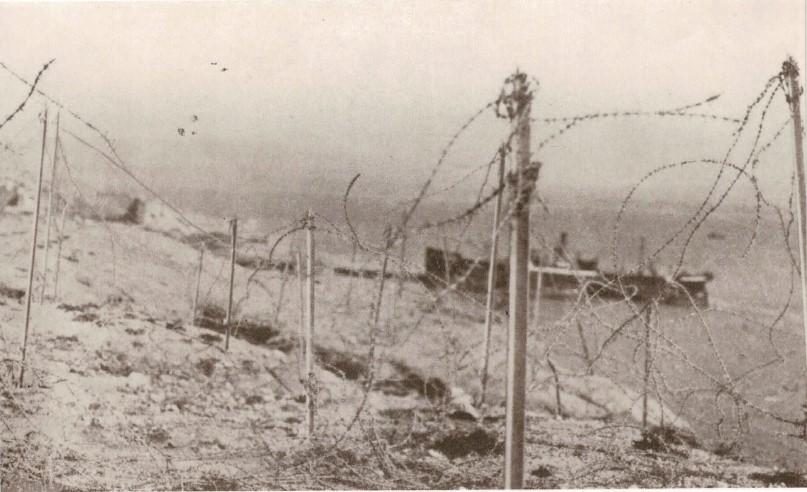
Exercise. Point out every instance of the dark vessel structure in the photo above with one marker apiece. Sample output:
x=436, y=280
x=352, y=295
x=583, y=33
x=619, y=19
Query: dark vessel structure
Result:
x=562, y=277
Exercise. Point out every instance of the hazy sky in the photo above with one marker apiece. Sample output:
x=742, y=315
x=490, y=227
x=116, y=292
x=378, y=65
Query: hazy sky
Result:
x=315, y=92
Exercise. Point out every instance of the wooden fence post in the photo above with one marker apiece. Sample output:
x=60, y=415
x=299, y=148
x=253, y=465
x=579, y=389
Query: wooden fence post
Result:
x=491, y=295
x=59, y=252
x=401, y=270
x=32, y=265
x=535, y=297
x=558, y=405
x=351, y=278
x=283, y=280
x=301, y=328
x=521, y=183
x=648, y=318
x=198, y=283
x=228, y=321
x=447, y=261
x=792, y=72
x=311, y=382
x=51, y=189
x=584, y=345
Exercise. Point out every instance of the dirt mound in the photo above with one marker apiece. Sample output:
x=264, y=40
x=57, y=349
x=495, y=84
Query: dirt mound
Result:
x=9, y=197
x=459, y=444
x=344, y=364
x=665, y=440
x=111, y=207
x=408, y=380
x=11, y=292
x=254, y=332
x=398, y=379
x=780, y=478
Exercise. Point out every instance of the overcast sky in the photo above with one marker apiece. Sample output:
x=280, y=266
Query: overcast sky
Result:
x=315, y=92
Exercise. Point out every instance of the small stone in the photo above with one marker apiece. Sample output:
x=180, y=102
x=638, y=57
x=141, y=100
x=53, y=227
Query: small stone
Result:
x=437, y=455
x=137, y=380
x=462, y=404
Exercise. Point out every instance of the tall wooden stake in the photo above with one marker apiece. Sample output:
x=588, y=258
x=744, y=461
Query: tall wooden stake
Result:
x=228, y=321
x=51, y=188
x=494, y=245
x=648, y=318
x=59, y=252
x=401, y=270
x=447, y=261
x=534, y=297
x=520, y=188
x=32, y=265
x=792, y=71
x=311, y=403
x=301, y=328
x=284, y=278
x=198, y=283
x=350, y=279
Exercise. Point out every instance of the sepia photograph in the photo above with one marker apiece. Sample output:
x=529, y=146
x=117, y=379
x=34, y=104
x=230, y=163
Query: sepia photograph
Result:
x=402, y=245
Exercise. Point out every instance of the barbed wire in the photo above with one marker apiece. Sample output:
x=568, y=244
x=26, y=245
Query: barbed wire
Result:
x=738, y=133
x=22, y=104
x=118, y=165
x=722, y=385
x=753, y=154
x=443, y=154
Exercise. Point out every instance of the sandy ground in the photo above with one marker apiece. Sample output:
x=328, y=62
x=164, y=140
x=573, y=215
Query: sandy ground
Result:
x=123, y=391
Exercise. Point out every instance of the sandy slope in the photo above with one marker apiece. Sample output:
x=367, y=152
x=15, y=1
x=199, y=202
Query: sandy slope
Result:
x=125, y=393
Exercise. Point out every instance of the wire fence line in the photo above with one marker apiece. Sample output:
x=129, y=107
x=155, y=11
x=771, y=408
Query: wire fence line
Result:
x=682, y=376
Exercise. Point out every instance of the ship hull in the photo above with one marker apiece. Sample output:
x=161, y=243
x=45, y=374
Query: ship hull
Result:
x=465, y=275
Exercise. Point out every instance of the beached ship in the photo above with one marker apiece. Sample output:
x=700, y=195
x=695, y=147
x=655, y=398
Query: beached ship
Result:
x=563, y=277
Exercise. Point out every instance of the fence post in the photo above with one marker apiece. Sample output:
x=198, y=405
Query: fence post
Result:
x=447, y=261
x=648, y=318
x=301, y=327
x=198, y=283
x=792, y=71
x=520, y=188
x=535, y=297
x=59, y=252
x=309, y=325
x=492, y=277
x=228, y=321
x=584, y=345
x=32, y=265
x=401, y=269
x=558, y=406
x=351, y=277
x=283, y=280
x=50, y=210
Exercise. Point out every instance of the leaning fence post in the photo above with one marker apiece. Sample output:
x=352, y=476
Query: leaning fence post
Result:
x=51, y=189
x=491, y=295
x=228, y=321
x=32, y=265
x=198, y=283
x=792, y=71
x=521, y=183
x=309, y=325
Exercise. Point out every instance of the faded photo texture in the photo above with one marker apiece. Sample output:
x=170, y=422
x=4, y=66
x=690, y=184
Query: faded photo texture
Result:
x=402, y=245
